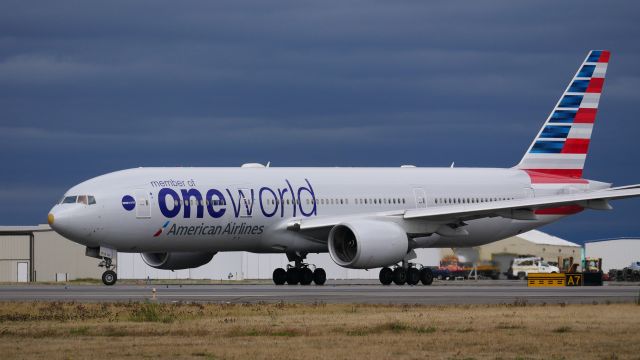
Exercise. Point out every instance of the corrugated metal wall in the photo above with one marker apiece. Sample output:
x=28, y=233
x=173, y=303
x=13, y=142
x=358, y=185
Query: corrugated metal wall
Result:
x=55, y=254
x=13, y=250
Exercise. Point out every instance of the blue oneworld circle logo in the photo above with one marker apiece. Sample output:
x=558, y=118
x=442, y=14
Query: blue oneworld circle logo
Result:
x=128, y=202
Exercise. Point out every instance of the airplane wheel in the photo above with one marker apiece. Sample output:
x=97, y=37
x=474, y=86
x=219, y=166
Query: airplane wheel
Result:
x=386, y=276
x=279, y=276
x=399, y=276
x=319, y=276
x=293, y=276
x=413, y=276
x=109, y=277
x=306, y=276
x=426, y=276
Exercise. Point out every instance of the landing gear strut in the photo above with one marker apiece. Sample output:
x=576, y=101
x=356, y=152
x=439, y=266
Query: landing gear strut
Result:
x=299, y=273
x=109, y=277
x=409, y=274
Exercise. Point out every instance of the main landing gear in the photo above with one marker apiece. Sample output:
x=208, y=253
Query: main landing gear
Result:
x=406, y=274
x=109, y=277
x=299, y=273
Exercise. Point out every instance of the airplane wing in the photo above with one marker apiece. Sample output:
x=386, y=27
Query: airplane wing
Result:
x=522, y=209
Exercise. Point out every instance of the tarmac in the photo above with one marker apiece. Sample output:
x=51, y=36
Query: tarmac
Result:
x=362, y=292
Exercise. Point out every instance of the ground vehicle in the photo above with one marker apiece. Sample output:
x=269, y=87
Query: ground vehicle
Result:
x=521, y=267
x=451, y=268
x=567, y=265
x=630, y=273
x=592, y=265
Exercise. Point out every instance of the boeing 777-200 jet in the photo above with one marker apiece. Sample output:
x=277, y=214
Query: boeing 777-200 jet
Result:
x=366, y=218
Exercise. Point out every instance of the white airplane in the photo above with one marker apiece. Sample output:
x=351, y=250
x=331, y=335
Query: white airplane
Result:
x=366, y=218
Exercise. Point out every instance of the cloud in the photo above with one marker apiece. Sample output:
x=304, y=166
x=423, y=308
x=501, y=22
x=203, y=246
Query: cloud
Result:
x=91, y=87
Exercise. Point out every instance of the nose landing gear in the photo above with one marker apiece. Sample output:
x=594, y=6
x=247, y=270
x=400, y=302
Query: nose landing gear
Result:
x=109, y=277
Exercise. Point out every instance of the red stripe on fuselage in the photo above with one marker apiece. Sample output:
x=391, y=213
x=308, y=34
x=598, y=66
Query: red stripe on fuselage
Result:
x=560, y=210
x=157, y=233
x=556, y=176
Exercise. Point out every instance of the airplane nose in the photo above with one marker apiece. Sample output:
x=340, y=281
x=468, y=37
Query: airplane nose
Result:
x=58, y=219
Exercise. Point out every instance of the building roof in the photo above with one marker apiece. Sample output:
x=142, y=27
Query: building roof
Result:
x=24, y=229
x=637, y=238
x=541, y=238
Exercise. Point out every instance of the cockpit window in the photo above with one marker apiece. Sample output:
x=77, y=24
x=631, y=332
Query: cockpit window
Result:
x=80, y=199
x=69, y=200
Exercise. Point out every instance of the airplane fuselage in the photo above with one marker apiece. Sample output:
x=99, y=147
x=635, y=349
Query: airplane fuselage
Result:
x=249, y=209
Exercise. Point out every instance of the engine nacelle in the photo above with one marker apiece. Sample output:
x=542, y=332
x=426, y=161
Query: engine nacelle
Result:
x=176, y=260
x=366, y=244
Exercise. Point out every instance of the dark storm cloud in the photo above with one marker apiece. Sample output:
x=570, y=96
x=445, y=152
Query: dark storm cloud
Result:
x=91, y=87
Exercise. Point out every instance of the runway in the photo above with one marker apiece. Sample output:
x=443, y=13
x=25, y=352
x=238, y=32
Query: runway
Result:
x=438, y=294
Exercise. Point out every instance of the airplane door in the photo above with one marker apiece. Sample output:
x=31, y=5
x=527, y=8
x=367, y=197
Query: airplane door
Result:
x=143, y=207
x=421, y=198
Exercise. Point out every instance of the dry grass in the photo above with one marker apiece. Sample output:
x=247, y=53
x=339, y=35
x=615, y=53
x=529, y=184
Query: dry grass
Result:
x=319, y=331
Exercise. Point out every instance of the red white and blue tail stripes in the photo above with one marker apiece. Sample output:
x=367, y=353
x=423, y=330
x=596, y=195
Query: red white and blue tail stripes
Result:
x=559, y=151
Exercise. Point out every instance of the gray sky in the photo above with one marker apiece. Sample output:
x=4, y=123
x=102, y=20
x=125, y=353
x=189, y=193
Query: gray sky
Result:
x=90, y=87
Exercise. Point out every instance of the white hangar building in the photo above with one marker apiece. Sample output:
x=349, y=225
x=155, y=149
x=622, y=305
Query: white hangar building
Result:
x=616, y=253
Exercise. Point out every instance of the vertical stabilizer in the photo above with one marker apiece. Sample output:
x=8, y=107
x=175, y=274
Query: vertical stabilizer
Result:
x=561, y=147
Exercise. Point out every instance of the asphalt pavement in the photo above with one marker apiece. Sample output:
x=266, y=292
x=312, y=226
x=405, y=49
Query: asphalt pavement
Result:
x=442, y=292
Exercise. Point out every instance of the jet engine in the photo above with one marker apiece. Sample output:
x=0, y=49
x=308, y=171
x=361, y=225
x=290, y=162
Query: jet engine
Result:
x=176, y=260
x=366, y=244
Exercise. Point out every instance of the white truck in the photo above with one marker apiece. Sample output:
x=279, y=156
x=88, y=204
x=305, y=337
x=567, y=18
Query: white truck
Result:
x=521, y=267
